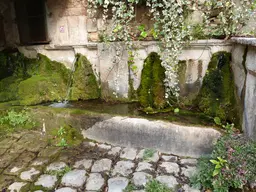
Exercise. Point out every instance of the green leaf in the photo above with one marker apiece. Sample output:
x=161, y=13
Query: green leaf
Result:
x=214, y=162
x=177, y=110
x=144, y=34
x=141, y=28
x=218, y=166
x=217, y=121
x=216, y=172
x=117, y=28
x=100, y=2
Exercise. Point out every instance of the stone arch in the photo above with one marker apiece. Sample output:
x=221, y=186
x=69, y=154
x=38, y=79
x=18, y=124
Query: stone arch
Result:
x=151, y=92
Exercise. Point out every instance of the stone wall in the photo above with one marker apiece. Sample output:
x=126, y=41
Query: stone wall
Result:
x=244, y=68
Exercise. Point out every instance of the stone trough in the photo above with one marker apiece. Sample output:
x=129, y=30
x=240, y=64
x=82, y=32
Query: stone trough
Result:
x=159, y=135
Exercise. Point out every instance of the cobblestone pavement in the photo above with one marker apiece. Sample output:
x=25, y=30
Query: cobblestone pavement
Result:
x=27, y=163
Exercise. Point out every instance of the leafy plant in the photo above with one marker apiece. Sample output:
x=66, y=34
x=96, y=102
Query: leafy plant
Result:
x=219, y=164
x=177, y=110
x=231, y=165
x=61, y=131
x=62, y=143
x=228, y=127
x=148, y=153
x=156, y=186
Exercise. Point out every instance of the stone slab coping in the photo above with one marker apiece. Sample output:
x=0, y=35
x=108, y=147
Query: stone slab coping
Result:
x=244, y=40
x=91, y=45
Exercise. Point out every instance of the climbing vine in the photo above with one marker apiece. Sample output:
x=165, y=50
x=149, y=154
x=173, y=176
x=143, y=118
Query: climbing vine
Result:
x=171, y=27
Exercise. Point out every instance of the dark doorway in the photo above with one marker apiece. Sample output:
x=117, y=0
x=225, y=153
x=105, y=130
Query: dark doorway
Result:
x=31, y=18
x=2, y=35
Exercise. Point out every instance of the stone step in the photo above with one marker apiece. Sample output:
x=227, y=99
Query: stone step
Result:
x=165, y=137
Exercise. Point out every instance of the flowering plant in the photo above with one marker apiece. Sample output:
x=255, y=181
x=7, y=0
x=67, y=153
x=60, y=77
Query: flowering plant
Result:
x=238, y=155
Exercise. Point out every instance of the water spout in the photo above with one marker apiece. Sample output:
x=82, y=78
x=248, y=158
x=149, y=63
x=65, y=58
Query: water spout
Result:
x=70, y=82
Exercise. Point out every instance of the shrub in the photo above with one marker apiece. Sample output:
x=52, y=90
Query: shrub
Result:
x=231, y=165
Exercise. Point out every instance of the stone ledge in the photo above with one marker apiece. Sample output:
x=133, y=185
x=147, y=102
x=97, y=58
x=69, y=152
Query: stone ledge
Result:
x=244, y=40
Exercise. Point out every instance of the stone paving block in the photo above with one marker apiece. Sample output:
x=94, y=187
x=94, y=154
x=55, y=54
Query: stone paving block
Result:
x=154, y=158
x=17, y=186
x=128, y=153
x=17, y=148
x=7, y=143
x=56, y=166
x=187, y=188
x=101, y=166
x=169, y=181
x=20, y=163
x=50, y=152
x=2, y=151
x=75, y=178
x=104, y=147
x=144, y=166
x=36, y=145
x=6, y=181
x=117, y=184
x=83, y=164
x=29, y=175
x=95, y=182
x=140, y=179
x=189, y=171
x=189, y=162
x=170, y=158
x=7, y=159
x=123, y=168
x=66, y=189
x=89, y=144
x=115, y=151
x=47, y=181
x=40, y=161
x=169, y=167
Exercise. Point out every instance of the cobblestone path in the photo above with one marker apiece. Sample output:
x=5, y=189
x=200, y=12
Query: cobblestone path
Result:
x=27, y=163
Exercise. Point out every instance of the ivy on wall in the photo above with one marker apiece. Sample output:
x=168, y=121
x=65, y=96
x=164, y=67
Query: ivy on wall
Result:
x=170, y=25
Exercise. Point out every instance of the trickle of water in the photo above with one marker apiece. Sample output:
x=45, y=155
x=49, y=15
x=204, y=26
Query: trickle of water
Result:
x=66, y=100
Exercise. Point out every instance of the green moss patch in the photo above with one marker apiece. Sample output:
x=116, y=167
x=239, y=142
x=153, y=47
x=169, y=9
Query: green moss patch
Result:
x=151, y=92
x=85, y=85
x=33, y=81
x=217, y=95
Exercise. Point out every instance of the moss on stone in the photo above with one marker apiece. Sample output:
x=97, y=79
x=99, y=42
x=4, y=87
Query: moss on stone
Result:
x=85, y=85
x=217, y=95
x=33, y=81
x=151, y=92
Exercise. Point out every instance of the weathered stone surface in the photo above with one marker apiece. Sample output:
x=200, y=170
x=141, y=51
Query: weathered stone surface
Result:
x=93, y=36
x=128, y=153
x=123, y=168
x=83, y=164
x=170, y=158
x=140, y=178
x=57, y=166
x=47, y=181
x=101, y=166
x=169, y=181
x=189, y=162
x=189, y=171
x=154, y=158
x=169, y=167
x=117, y=184
x=114, y=151
x=29, y=175
x=238, y=68
x=175, y=139
x=104, y=146
x=40, y=161
x=66, y=189
x=2, y=151
x=7, y=143
x=91, y=25
x=95, y=182
x=17, y=186
x=7, y=159
x=187, y=188
x=249, y=117
x=49, y=152
x=144, y=166
x=75, y=178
